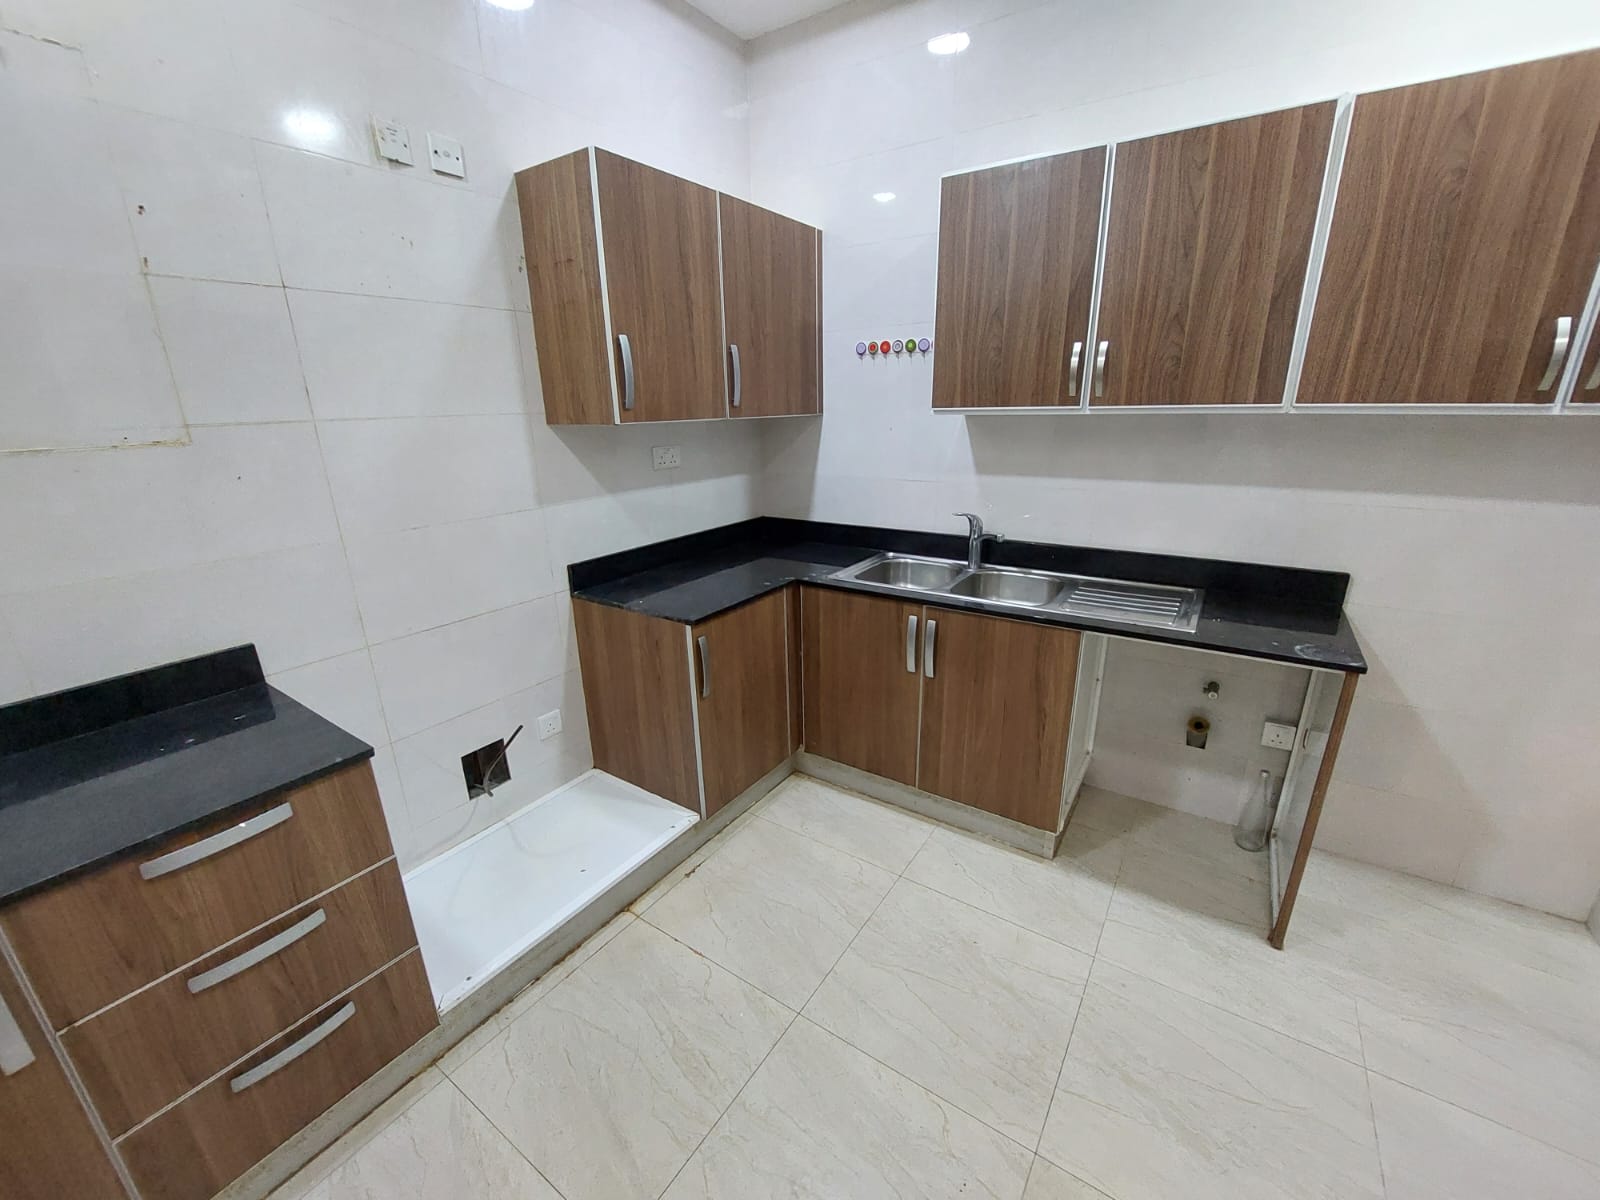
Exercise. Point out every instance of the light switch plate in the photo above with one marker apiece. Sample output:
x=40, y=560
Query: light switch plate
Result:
x=665, y=458
x=445, y=155
x=394, y=141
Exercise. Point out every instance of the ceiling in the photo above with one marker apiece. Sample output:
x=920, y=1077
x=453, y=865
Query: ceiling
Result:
x=752, y=18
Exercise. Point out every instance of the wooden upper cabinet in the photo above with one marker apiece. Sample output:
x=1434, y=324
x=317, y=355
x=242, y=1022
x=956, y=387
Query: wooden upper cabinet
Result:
x=1016, y=270
x=770, y=267
x=742, y=691
x=1467, y=226
x=1208, y=240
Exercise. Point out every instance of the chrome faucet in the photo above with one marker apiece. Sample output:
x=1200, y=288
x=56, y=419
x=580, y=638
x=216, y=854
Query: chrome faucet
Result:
x=975, y=539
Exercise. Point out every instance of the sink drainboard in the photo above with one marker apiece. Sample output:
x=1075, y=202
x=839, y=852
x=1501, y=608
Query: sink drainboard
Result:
x=1145, y=604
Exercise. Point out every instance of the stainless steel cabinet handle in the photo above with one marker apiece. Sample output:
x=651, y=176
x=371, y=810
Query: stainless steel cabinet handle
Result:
x=1558, y=353
x=911, y=645
x=626, y=347
x=1594, y=376
x=705, y=667
x=293, y=1051
x=734, y=351
x=1100, y=368
x=927, y=647
x=1072, y=368
x=216, y=843
x=257, y=954
x=15, y=1053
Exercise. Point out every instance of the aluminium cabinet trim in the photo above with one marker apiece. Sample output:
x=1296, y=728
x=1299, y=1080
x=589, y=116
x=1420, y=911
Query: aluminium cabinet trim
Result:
x=1087, y=372
x=694, y=712
x=605, y=289
x=1571, y=394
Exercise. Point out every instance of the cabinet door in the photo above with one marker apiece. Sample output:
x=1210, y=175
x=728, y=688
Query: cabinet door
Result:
x=659, y=240
x=1467, y=227
x=769, y=285
x=1207, y=243
x=862, y=681
x=742, y=689
x=1016, y=268
x=48, y=1149
x=996, y=712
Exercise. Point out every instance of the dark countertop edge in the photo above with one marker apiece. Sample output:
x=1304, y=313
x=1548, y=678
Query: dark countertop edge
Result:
x=128, y=851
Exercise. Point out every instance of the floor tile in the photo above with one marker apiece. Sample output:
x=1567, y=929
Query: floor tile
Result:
x=609, y=1083
x=1110, y=812
x=305, y=1183
x=776, y=908
x=689, y=865
x=1064, y=898
x=441, y=1148
x=1049, y=1182
x=972, y=1007
x=1435, y=1151
x=1162, y=1096
x=822, y=1121
x=883, y=835
x=1182, y=883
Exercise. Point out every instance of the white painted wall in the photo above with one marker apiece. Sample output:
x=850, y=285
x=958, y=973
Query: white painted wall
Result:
x=367, y=490
x=1474, y=542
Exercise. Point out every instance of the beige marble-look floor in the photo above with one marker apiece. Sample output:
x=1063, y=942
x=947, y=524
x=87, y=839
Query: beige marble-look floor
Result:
x=836, y=999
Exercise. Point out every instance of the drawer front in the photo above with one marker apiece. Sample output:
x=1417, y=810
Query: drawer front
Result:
x=192, y=1151
x=92, y=940
x=157, y=1044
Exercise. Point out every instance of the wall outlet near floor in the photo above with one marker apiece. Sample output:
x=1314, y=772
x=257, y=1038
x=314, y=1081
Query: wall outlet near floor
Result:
x=550, y=724
x=445, y=154
x=666, y=458
x=1278, y=735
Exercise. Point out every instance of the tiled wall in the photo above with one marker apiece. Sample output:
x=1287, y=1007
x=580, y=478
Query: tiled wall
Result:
x=195, y=229
x=1474, y=541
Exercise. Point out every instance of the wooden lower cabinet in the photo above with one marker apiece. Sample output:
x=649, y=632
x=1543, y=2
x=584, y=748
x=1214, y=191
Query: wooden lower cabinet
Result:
x=861, y=679
x=193, y=1150
x=742, y=694
x=996, y=710
x=48, y=1148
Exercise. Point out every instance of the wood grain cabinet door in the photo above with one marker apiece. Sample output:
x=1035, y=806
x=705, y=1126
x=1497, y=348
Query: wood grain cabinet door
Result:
x=1016, y=269
x=861, y=680
x=773, y=307
x=742, y=690
x=996, y=711
x=1208, y=239
x=48, y=1149
x=1467, y=227
x=659, y=239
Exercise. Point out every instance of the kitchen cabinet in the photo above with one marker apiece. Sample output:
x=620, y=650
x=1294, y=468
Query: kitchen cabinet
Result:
x=1464, y=238
x=1016, y=271
x=694, y=713
x=627, y=278
x=1207, y=243
x=773, y=304
x=49, y=1149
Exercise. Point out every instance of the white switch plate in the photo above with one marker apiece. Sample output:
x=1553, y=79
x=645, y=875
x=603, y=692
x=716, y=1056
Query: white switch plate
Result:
x=550, y=724
x=666, y=458
x=1278, y=735
x=394, y=141
x=445, y=155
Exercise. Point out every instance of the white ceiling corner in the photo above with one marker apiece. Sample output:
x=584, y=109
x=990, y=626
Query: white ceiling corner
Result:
x=748, y=19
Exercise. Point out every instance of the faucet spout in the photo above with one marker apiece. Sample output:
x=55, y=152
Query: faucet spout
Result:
x=975, y=539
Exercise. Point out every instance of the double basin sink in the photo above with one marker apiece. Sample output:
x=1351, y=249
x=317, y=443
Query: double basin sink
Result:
x=1010, y=587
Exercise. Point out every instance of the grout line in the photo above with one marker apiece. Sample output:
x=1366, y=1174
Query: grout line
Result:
x=503, y=1134
x=1372, y=1108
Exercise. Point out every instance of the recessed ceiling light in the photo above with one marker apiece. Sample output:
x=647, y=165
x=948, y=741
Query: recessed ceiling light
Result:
x=310, y=126
x=948, y=43
x=883, y=197
x=512, y=5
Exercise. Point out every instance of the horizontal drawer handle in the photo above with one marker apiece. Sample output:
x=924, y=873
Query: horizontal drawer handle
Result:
x=15, y=1053
x=257, y=954
x=289, y=1053
x=216, y=843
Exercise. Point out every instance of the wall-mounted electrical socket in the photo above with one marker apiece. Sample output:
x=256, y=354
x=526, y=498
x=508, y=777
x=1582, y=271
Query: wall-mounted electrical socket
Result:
x=666, y=458
x=550, y=724
x=1278, y=734
x=445, y=155
x=394, y=141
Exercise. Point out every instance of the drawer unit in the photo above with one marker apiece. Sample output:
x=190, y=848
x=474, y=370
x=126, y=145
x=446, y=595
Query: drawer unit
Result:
x=153, y=1047
x=90, y=941
x=199, y=1146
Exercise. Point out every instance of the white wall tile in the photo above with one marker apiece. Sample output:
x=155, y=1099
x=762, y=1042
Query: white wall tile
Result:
x=342, y=689
x=14, y=681
x=232, y=351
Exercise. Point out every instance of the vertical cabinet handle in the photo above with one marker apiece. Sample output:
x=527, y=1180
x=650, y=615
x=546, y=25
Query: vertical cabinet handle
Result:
x=705, y=667
x=291, y=1052
x=1100, y=368
x=911, y=645
x=216, y=843
x=927, y=648
x=1072, y=368
x=733, y=353
x=625, y=347
x=1558, y=353
x=15, y=1053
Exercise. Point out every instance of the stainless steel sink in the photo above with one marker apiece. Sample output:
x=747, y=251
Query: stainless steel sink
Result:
x=898, y=570
x=1029, y=588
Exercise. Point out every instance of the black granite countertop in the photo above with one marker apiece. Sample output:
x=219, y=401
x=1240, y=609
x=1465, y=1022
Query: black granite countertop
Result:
x=1285, y=614
x=89, y=774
